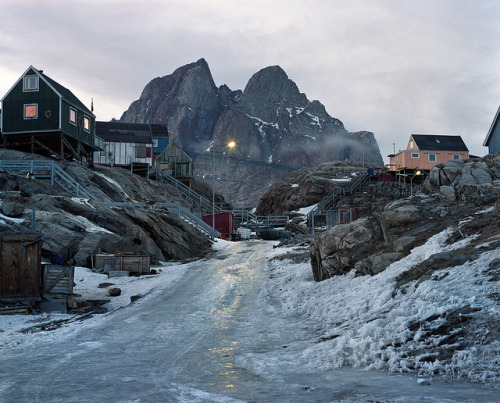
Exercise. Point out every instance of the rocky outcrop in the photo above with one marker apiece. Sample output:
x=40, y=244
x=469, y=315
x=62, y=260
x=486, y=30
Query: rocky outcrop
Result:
x=306, y=187
x=74, y=228
x=472, y=180
x=370, y=244
x=276, y=128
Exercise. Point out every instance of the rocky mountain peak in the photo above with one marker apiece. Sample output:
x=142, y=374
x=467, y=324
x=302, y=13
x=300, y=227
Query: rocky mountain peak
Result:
x=275, y=126
x=270, y=91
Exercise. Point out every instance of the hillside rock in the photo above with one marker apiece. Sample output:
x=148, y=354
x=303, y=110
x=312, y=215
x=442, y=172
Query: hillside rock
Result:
x=369, y=244
x=73, y=228
x=276, y=128
x=306, y=187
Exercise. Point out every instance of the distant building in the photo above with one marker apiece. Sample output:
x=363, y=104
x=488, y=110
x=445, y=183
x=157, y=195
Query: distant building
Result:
x=492, y=140
x=426, y=150
x=175, y=162
x=129, y=143
x=39, y=115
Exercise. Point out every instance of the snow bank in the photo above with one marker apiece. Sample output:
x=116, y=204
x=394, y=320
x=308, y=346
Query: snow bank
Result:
x=360, y=323
x=87, y=285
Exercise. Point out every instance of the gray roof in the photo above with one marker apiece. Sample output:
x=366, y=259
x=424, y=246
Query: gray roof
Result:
x=124, y=132
x=431, y=142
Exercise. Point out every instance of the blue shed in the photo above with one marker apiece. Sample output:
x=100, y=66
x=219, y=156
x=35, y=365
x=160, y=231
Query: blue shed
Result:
x=492, y=140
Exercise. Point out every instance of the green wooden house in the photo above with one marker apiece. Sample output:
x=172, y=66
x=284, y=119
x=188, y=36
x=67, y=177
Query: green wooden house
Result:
x=41, y=116
x=175, y=162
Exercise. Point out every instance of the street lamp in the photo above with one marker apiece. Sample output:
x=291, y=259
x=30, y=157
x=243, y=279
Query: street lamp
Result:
x=411, y=182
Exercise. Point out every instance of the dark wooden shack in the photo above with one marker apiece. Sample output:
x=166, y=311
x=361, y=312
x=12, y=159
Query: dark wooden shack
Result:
x=20, y=266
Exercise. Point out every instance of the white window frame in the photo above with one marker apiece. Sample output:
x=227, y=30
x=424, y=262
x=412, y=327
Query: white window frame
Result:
x=434, y=156
x=73, y=122
x=415, y=155
x=411, y=144
x=27, y=80
x=86, y=124
x=30, y=117
x=456, y=157
x=155, y=143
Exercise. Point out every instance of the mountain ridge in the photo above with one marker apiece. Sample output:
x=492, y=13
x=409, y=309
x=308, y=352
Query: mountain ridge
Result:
x=270, y=120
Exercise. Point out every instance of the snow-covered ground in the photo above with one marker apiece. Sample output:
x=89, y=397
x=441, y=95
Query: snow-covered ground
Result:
x=87, y=285
x=363, y=323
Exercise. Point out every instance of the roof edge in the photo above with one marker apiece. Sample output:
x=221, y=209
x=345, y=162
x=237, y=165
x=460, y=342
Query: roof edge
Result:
x=490, y=131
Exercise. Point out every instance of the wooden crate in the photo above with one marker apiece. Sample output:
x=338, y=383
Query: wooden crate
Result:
x=58, y=279
x=139, y=264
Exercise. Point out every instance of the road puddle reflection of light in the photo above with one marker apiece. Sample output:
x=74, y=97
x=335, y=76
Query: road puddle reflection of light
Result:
x=222, y=359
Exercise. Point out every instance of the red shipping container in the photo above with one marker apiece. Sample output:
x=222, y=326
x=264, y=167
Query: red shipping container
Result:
x=223, y=222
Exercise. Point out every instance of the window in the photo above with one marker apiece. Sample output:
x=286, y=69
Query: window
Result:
x=31, y=111
x=456, y=156
x=155, y=143
x=30, y=83
x=415, y=155
x=411, y=144
x=72, y=116
x=432, y=157
x=86, y=124
x=140, y=152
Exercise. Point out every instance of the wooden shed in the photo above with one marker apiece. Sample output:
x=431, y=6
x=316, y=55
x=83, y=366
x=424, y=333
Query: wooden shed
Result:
x=20, y=266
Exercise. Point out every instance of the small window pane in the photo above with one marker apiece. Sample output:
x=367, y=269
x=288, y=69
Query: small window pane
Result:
x=456, y=156
x=86, y=124
x=432, y=157
x=72, y=116
x=140, y=152
x=31, y=111
x=30, y=83
x=415, y=155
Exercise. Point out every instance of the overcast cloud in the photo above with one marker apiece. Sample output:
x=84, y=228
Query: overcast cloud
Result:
x=394, y=67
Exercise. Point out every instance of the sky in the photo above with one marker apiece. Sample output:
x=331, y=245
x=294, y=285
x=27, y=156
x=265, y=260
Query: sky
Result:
x=393, y=67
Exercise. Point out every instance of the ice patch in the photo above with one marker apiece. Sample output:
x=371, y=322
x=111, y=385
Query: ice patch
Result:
x=4, y=218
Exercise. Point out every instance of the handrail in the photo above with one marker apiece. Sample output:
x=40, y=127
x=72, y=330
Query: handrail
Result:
x=47, y=169
x=337, y=193
x=177, y=209
x=251, y=220
x=197, y=198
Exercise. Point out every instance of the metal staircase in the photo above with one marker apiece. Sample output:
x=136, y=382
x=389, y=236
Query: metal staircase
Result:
x=175, y=208
x=205, y=206
x=324, y=209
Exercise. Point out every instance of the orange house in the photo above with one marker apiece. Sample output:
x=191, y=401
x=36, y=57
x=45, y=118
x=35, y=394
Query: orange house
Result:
x=426, y=150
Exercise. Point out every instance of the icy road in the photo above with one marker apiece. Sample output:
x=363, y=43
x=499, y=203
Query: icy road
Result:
x=215, y=335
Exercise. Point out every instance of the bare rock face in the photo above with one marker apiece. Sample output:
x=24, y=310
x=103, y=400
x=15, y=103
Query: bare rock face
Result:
x=454, y=190
x=275, y=126
x=305, y=187
x=75, y=228
x=471, y=179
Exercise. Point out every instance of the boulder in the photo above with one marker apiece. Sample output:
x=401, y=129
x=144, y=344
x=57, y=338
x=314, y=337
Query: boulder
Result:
x=447, y=194
x=12, y=209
